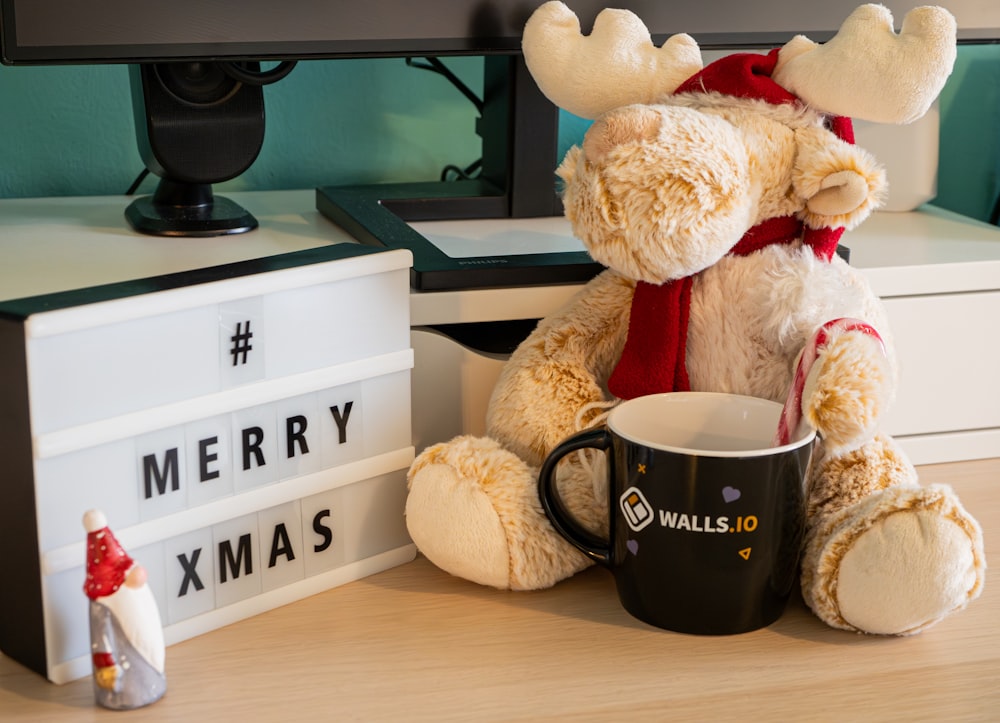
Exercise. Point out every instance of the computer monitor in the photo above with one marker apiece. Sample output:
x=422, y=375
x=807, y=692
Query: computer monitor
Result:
x=200, y=112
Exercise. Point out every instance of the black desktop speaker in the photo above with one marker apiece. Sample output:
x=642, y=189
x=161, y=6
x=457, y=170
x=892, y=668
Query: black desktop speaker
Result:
x=195, y=125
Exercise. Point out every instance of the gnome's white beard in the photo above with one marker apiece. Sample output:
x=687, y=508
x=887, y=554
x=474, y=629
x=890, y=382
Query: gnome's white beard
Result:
x=136, y=612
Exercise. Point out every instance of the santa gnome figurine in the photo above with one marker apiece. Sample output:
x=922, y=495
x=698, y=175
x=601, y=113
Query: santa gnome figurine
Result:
x=126, y=636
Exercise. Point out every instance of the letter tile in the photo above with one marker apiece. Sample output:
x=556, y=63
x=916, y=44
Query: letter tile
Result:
x=322, y=530
x=242, y=342
x=299, y=436
x=161, y=472
x=209, y=445
x=190, y=575
x=281, y=546
x=236, y=547
x=255, y=447
x=341, y=412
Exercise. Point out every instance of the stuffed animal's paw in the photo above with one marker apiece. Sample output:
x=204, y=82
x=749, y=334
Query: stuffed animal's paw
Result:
x=473, y=511
x=895, y=563
x=847, y=390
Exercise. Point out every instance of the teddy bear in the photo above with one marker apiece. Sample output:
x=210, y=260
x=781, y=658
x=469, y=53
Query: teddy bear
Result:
x=716, y=196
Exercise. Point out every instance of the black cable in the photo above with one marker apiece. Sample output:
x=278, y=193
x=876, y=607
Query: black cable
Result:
x=138, y=179
x=464, y=174
x=237, y=71
x=995, y=215
x=436, y=66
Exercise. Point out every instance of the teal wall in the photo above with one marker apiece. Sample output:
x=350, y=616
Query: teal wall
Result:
x=969, y=164
x=68, y=130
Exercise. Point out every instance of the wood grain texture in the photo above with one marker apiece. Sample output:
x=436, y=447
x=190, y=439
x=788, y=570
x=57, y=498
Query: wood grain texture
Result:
x=414, y=644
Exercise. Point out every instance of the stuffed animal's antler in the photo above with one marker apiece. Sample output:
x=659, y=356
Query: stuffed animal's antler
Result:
x=616, y=65
x=868, y=71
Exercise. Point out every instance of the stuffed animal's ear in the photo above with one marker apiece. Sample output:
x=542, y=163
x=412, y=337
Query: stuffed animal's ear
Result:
x=616, y=65
x=868, y=71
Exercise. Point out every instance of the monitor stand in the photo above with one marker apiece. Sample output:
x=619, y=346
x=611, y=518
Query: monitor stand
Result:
x=519, y=128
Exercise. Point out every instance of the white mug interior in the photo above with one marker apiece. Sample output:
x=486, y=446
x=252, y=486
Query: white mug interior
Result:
x=706, y=424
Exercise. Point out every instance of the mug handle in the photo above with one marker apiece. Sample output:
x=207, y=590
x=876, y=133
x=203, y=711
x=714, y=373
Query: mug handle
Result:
x=588, y=543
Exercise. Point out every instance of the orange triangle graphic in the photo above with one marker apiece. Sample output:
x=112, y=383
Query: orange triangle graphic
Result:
x=745, y=553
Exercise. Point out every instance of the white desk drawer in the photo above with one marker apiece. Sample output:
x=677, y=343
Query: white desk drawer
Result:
x=948, y=346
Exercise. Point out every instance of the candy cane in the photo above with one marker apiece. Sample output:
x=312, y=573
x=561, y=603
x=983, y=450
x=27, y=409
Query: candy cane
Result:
x=791, y=413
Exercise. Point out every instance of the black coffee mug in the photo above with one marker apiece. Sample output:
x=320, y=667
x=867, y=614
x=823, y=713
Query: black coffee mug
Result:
x=706, y=517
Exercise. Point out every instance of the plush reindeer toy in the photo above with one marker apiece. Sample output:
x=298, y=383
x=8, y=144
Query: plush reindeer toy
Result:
x=716, y=197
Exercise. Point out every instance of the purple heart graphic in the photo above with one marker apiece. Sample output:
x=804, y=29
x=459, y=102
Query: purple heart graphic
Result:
x=731, y=494
x=633, y=546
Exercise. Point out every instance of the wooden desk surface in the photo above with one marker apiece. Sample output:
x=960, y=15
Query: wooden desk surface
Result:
x=415, y=644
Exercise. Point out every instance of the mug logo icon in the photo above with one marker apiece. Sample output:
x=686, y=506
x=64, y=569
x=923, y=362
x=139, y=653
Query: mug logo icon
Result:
x=637, y=510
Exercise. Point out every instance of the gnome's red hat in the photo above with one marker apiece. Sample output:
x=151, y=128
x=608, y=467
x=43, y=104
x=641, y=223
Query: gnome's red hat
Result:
x=653, y=358
x=107, y=561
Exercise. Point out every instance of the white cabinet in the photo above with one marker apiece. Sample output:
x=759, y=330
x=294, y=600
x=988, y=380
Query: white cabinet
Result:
x=938, y=273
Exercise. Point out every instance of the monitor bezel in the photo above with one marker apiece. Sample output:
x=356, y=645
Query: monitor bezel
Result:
x=507, y=18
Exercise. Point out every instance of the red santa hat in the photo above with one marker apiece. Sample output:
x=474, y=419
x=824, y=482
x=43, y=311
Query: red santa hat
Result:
x=107, y=561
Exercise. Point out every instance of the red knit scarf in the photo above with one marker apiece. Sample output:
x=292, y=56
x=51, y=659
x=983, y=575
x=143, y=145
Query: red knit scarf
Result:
x=655, y=348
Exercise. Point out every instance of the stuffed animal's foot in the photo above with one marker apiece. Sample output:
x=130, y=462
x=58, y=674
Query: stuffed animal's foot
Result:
x=894, y=563
x=473, y=511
